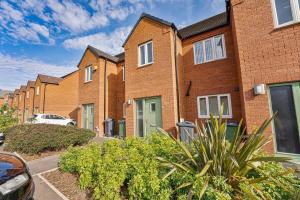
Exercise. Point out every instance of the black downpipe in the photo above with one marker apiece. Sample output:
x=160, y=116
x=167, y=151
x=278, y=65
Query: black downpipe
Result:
x=176, y=73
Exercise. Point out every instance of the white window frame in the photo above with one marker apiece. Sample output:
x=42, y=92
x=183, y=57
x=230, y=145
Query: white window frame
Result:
x=88, y=71
x=219, y=105
x=213, y=49
x=295, y=13
x=27, y=94
x=146, y=54
x=37, y=92
x=123, y=72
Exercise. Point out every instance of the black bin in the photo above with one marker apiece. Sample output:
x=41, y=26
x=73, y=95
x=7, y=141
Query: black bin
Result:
x=186, y=128
x=109, y=127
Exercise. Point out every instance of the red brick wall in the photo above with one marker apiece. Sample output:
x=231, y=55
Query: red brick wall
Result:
x=120, y=93
x=157, y=79
x=29, y=101
x=62, y=99
x=89, y=92
x=216, y=77
x=266, y=55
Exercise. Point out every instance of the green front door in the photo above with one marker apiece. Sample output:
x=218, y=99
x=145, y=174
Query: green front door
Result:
x=88, y=116
x=285, y=101
x=148, y=115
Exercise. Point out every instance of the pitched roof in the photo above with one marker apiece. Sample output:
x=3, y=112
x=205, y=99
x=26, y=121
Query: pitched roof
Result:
x=121, y=56
x=64, y=76
x=101, y=54
x=153, y=18
x=205, y=25
x=31, y=83
x=23, y=88
x=49, y=79
x=17, y=91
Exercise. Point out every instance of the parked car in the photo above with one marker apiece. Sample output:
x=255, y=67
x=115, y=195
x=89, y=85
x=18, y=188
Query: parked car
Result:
x=15, y=179
x=51, y=119
x=2, y=137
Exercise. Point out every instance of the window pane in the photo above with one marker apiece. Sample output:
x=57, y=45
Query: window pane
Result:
x=203, y=108
x=86, y=74
x=142, y=55
x=225, y=104
x=91, y=73
x=199, y=57
x=219, y=47
x=140, y=118
x=150, y=56
x=213, y=105
x=284, y=11
x=208, y=50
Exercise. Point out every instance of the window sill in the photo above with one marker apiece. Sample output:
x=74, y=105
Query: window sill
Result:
x=146, y=65
x=87, y=81
x=211, y=61
x=208, y=117
x=286, y=25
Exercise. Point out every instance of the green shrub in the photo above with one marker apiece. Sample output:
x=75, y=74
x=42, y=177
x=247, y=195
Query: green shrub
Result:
x=218, y=169
x=131, y=169
x=123, y=168
x=36, y=138
x=7, y=117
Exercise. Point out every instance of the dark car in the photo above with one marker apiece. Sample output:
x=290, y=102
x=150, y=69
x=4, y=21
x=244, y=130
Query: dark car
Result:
x=15, y=180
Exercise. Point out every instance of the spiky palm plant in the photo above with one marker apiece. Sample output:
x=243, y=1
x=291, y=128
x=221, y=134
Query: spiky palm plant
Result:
x=210, y=154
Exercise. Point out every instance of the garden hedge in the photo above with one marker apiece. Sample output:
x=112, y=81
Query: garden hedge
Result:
x=37, y=138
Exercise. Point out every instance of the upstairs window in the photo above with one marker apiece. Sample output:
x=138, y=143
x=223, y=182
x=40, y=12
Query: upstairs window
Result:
x=123, y=73
x=27, y=94
x=212, y=105
x=88, y=74
x=145, y=54
x=209, y=50
x=286, y=12
x=37, y=92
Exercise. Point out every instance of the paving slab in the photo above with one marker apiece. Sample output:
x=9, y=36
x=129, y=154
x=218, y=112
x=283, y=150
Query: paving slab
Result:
x=43, y=191
x=43, y=164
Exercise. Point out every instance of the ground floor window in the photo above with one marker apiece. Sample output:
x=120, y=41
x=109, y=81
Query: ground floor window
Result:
x=212, y=105
x=36, y=110
x=88, y=116
x=285, y=101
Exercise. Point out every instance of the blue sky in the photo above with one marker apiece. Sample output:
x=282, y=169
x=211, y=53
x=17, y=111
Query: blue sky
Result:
x=50, y=36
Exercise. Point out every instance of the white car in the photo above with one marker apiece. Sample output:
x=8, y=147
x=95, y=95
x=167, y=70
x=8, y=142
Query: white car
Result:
x=51, y=119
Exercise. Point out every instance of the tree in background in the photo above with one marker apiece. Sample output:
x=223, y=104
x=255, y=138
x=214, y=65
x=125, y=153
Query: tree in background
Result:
x=7, y=117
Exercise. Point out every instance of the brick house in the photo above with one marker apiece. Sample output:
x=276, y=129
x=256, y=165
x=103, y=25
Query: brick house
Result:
x=29, y=99
x=170, y=78
x=21, y=105
x=100, y=88
x=15, y=103
x=267, y=42
x=49, y=92
x=250, y=63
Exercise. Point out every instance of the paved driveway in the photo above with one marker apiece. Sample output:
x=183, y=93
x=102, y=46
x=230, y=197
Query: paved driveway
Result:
x=44, y=189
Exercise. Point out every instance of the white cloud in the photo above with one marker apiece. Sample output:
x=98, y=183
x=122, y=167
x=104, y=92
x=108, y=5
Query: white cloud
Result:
x=9, y=12
x=22, y=69
x=74, y=17
x=42, y=30
x=110, y=43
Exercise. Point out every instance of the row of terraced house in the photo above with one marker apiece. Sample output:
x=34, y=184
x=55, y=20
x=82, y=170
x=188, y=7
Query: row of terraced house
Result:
x=246, y=59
